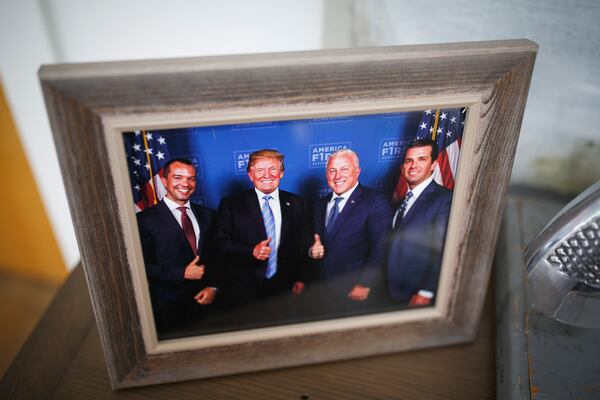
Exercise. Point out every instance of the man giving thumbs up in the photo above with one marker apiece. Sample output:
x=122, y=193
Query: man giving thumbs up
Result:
x=262, y=235
x=351, y=224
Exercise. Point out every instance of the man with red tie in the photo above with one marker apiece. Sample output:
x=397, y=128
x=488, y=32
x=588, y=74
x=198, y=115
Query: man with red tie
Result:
x=175, y=234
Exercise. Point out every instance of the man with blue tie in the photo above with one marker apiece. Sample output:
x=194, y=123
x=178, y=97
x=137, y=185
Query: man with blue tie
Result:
x=419, y=229
x=350, y=228
x=262, y=236
x=175, y=236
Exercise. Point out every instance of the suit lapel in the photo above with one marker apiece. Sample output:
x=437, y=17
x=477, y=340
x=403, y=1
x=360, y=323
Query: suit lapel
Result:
x=255, y=214
x=171, y=222
x=322, y=214
x=420, y=203
x=352, y=202
x=202, y=225
x=285, y=206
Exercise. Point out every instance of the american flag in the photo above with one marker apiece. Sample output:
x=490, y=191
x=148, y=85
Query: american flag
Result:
x=147, y=153
x=445, y=127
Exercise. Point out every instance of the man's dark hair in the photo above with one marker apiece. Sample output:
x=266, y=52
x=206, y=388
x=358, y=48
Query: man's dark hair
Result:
x=424, y=143
x=167, y=167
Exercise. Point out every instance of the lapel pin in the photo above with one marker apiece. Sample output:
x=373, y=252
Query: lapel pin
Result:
x=287, y=204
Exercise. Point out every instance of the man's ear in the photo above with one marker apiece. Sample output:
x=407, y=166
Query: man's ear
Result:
x=433, y=165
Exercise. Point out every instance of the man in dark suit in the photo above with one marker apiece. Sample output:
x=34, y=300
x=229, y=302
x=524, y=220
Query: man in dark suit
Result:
x=262, y=237
x=420, y=222
x=351, y=225
x=175, y=236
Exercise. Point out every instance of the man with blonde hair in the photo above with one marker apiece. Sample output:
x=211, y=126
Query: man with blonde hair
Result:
x=262, y=235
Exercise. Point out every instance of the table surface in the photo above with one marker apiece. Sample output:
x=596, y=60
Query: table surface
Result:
x=537, y=357
x=63, y=359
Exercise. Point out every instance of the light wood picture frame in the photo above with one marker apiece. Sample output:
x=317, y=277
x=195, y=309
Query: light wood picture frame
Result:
x=90, y=106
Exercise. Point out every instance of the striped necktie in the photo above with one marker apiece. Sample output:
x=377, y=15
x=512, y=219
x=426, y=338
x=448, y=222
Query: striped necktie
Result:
x=269, y=221
x=402, y=209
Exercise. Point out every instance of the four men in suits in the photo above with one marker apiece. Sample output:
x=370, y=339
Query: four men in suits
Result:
x=262, y=235
x=262, y=241
x=351, y=225
x=175, y=238
x=419, y=229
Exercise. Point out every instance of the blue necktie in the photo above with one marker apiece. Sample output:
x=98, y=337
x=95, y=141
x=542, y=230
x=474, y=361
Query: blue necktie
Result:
x=333, y=214
x=402, y=209
x=269, y=221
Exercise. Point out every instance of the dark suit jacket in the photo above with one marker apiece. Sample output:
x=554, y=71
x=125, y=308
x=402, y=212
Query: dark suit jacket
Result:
x=417, y=242
x=167, y=253
x=354, y=250
x=240, y=227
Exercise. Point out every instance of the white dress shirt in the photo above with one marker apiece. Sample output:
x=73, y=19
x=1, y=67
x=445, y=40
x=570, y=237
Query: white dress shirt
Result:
x=416, y=192
x=276, y=208
x=345, y=196
x=177, y=214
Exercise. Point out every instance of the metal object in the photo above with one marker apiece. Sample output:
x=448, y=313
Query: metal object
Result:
x=563, y=263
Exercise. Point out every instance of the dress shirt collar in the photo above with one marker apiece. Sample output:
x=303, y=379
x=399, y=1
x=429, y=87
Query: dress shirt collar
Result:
x=173, y=206
x=274, y=194
x=420, y=187
x=346, y=195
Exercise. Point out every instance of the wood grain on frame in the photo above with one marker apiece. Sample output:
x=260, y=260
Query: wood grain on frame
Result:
x=83, y=100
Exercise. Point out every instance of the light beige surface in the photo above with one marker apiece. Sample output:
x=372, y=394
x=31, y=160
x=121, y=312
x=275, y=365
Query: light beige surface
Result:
x=22, y=303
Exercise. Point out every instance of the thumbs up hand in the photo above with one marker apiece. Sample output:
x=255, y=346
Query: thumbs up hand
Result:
x=193, y=271
x=316, y=251
x=262, y=250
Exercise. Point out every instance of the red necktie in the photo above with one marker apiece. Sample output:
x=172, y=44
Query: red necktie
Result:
x=188, y=228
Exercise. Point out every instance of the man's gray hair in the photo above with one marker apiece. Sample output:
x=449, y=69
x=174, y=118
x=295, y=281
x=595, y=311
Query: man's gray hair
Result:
x=349, y=152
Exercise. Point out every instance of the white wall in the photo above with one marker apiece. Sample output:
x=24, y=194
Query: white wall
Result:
x=24, y=46
x=559, y=147
x=55, y=31
x=134, y=29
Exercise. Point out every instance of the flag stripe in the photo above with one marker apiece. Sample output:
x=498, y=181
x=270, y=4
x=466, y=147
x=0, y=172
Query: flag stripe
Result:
x=147, y=153
x=445, y=127
x=452, y=153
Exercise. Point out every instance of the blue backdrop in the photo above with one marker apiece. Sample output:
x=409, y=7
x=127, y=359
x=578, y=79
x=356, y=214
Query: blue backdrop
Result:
x=220, y=153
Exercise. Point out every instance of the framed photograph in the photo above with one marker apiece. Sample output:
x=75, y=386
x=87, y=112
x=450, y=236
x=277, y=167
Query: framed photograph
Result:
x=243, y=213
